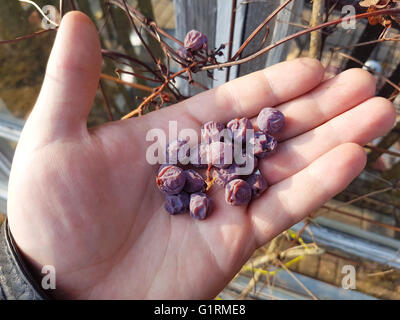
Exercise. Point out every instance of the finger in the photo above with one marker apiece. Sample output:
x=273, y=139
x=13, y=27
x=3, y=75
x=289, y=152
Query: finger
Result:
x=289, y=201
x=371, y=119
x=246, y=96
x=71, y=78
x=329, y=99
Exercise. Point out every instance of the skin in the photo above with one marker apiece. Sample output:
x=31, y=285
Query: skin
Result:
x=82, y=200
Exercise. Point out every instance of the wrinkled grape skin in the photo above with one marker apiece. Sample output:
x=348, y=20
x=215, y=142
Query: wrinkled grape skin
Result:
x=270, y=120
x=171, y=179
x=195, y=40
x=162, y=166
x=238, y=192
x=211, y=131
x=200, y=206
x=177, y=203
x=177, y=150
x=223, y=176
x=220, y=154
x=238, y=128
x=257, y=183
x=263, y=144
x=194, y=181
x=199, y=156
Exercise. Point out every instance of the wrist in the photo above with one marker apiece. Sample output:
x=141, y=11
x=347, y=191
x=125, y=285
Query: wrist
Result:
x=16, y=279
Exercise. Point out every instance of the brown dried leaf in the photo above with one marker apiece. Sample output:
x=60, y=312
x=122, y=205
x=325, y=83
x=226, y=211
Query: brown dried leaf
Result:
x=375, y=19
x=368, y=3
x=380, y=4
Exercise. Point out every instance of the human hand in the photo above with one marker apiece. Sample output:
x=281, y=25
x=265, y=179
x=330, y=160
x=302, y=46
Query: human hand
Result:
x=86, y=201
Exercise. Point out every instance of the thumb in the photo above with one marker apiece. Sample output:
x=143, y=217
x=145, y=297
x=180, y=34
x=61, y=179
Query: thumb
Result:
x=71, y=80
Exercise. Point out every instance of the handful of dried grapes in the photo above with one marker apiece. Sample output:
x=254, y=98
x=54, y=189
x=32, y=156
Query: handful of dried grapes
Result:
x=186, y=189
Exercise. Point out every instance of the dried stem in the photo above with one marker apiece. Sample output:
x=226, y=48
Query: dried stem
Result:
x=130, y=84
x=301, y=33
x=259, y=28
x=362, y=64
x=366, y=43
x=382, y=150
x=158, y=91
x=297, y=280
x=139, y=109
x=25, y=37
x=118, y=71
x=365, y=196
x=381, y=224
x=139, y=33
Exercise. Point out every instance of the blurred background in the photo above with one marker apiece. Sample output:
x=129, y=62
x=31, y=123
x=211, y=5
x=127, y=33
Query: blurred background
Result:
x=356, y=233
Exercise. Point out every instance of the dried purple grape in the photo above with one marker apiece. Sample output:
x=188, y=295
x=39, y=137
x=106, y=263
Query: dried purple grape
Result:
x=212, y=131
x=237, y=192
x=263, y=144
x=177, y=203
x=220, y=154
x=200, y=205
x=238, y=128
x=177, y=151
x=223, y=176
x=195, y=40
x=171, y=179
x=270, y=120
x=194, y=181
x=162, y=166
x=257, y=183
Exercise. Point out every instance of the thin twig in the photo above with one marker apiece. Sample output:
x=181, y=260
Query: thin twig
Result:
x=298, y=281
x=118, y=71
x=133, y=85
x=139, y=109
x=380, y=273
x=158, y=91
x=115, y=54
x=259, y=28
x=381, y=224
x=26, y=37
x=301, y=33
x=362, y=64
x=139, y=34
x=365, y=196
x=381, y=150
x=366, y=43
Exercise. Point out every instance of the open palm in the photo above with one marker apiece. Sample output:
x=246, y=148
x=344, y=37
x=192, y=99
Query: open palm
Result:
x=86, y=202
